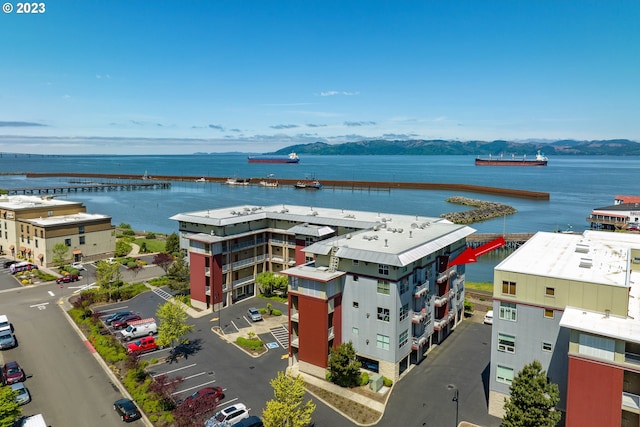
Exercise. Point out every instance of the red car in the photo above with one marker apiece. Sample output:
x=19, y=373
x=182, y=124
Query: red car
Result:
x=142, y=345
x=68, y=278
x=206, y=395
x=123, y=322
x=12, y=373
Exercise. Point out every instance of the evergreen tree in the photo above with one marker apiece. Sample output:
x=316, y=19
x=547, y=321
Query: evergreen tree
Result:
x=344, y=367
x=533, y=399
x=287, y=408
x=172, y=245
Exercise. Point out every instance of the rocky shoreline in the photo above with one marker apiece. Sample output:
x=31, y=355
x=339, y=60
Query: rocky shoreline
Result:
x=484, y=210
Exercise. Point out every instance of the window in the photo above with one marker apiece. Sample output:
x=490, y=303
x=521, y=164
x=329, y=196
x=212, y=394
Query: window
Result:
x=82, y=240
x=548, y=313
x=41, y=233
x=508, y=288
x=550, y=292
x=547, y=346
x=504, y=374
x=383, y=314
x=355, y=262
x=506, y=343
x=383, y=269
x=508, y=311
x=36, y=242
x=600, y=347
x=67, y=242
x=384, y=287
x=356, y=304
x=27, y=229
x=382, y=341
x=81, y=229
x=404, y=312
x=49, y=213
x=404, y=286
x=403, y=339
x=354, y=330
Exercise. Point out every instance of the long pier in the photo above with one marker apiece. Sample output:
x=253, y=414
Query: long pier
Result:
x=92, y=187
x=513, y=240
x=336, y=184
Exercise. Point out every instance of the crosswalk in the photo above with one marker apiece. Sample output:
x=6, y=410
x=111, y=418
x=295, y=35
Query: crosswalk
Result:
x=281, y=334
x=162, y=294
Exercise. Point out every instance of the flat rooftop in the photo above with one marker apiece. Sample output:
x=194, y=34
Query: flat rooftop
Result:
x=29, y=202
x=77, y=218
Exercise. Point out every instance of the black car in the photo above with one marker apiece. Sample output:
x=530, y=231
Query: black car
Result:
x=252, y=421
x=9, y=264
x=117, y=316
x=127, y=410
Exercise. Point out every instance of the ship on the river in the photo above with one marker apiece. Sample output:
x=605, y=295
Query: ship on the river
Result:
x=539, y=160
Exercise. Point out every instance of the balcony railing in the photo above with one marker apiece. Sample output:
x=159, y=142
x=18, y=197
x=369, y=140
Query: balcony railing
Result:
x=295, y=316
x=442, y=300
x=295, y=342
x=418, y=317
x=330, y=333
x=440, y=323
x=632, y=358
x=247, y=244
x=207, y=271
x=242, y=281
x=417, y=342
x=631, y=401
x=207, y=290
x=243, y=263
x=421, y=290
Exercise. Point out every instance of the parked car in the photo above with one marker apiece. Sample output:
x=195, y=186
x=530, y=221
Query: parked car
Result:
x=23, y=396
x=252, y=421
x=123, y=322
x=120, y=316
x=127, y=410
x=115, y=316
x=68, y=278
x=216, y=394
x=12, y=373
x=22, y=266
x=7, y=340
x=5, y=325
x=8, y=264
x=78, y=266
x=228, y=416
x=254, y=314
x=143, y=345
x=488, y=318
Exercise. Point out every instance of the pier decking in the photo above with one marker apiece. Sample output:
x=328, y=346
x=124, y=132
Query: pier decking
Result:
x=513, y=240
x=91, y=187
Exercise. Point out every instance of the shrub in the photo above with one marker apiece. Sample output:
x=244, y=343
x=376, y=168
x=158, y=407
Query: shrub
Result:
x=276, y=312
x=468, y=306
x=387, y=382
x=364, y=378
x=150, y=235
x=128, y=232
x=250, y=344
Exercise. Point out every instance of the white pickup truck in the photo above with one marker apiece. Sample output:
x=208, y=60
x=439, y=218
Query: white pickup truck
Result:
x=139, y=328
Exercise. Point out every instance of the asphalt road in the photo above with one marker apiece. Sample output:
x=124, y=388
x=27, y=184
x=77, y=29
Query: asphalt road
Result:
x=66, y=383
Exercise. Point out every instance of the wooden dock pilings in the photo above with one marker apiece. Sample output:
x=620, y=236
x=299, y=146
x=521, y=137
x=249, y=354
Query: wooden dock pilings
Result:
x=91, y=187
x=336, y=184
x=513, y=240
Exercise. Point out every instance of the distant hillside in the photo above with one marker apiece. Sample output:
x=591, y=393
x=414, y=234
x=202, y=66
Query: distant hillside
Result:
x=614, y=147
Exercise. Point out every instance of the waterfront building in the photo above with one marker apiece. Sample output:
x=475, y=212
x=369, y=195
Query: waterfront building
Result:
x=30, y=227
x=382, y=281
x=571, y=302
x=624, y=214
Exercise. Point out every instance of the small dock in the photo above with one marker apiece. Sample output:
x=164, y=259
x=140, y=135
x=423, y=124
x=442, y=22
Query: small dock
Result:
x=513, y=240
x=91, y=187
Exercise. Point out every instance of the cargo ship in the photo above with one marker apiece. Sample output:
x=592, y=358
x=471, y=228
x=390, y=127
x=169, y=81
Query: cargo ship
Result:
x=291, y=158
x=539, y=160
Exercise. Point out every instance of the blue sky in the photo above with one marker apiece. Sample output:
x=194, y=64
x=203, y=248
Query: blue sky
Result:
x=136, y=77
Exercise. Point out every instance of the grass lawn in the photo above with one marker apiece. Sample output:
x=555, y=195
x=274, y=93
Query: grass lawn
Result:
x=479, y=286
x=153, y=245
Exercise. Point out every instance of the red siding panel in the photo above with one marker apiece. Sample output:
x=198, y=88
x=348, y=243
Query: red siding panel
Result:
x=313, y=331
x=594, y=394
x=197, y=277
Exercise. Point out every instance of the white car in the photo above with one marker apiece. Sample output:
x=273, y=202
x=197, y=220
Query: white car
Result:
x=4, y=323
x=488, y=318
x=228, y=416
x=78, y=266
x=23, y=396
x=254, y=314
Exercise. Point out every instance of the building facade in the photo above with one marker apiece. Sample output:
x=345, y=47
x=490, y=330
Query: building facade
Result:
x=31, y=226
x=381, y=281
x=558, y=299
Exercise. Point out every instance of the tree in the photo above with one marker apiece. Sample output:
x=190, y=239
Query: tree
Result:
x=265, y=281
x=9, y=408
x=533, y=399
x=122, y=248
x=172, y=245
x=287, y=408
x=163, y=260
x=344, y=367
x=178, y=272
x=60, y=253
x=108, y=274
x=173, y=324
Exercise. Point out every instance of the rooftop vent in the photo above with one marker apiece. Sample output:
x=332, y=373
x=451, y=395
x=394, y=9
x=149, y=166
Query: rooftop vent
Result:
x=582, y=248
x=586, y=262
x=323, y=268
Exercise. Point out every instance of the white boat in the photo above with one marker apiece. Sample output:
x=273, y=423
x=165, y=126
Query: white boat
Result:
x=237, y=181
x=266, y=183
x=201, y=180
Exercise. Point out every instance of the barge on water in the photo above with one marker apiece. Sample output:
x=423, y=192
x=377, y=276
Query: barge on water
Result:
x=539, y=160
x=291, y=158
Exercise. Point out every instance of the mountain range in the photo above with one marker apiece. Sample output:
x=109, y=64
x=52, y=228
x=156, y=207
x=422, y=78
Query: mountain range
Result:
x=612, y=147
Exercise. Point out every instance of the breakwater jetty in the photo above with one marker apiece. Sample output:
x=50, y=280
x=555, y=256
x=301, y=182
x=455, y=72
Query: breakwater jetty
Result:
x=327, y=184
x=482, y=212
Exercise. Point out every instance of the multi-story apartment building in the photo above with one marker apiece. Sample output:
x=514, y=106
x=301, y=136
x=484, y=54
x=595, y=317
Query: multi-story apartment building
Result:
x=381, y=281
x=30, y=226
x=571, y=302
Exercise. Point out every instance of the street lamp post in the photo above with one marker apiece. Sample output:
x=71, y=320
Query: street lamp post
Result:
x=456, y=399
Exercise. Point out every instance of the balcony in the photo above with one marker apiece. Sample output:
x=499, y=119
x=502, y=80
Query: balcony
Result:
x=632, y=358
x=295, y=316
x=417, y=342
x=207, y=290
x=244, y=245
x=242, y=281
x=445, y=275
x=243, y=263
x=330, y=334
x=418, y=317
x=442, y=300
x=295, y=342
x=440, y=323
x=630, y=401
x=421, y=290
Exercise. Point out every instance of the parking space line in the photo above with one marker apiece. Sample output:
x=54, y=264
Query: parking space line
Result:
x=234, y=325
x=114, y=309
x=194, y=375
x=175, y=370
x=227, y=402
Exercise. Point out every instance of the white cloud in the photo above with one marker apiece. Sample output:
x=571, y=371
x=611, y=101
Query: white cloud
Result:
x=337, y=92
